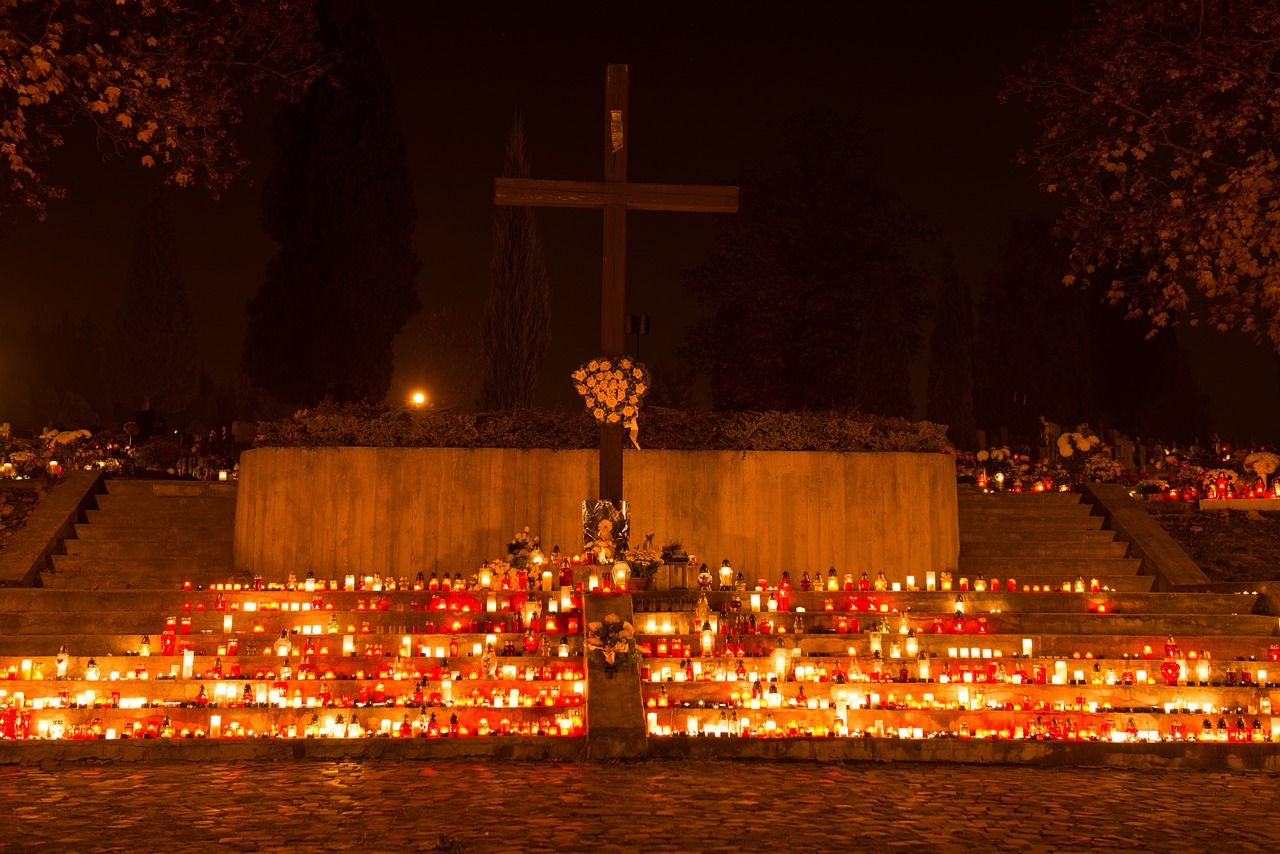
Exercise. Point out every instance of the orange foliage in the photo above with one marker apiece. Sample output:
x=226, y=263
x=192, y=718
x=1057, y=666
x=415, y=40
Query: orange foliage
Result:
x=159, y=80
x=1159, y=124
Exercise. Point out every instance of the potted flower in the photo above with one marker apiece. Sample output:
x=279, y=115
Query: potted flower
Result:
x=645, y=560
x=673, y=552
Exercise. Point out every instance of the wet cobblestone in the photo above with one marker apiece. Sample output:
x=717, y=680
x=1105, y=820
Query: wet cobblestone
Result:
x=649, y=807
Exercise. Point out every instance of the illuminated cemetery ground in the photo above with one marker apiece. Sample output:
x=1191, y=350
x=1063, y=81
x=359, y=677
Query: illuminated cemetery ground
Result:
x=1044, y=641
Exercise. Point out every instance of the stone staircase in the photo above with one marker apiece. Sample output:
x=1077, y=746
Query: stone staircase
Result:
x=154, y=534
x=1056, y=667
x=1042, y=541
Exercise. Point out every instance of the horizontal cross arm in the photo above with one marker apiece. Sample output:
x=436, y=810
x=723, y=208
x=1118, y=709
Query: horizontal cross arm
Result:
x=597, y=194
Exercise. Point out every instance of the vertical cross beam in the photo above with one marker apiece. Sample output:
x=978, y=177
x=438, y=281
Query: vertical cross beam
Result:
x=613, y=295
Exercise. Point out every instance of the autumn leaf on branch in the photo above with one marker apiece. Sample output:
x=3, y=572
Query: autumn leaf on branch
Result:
x=1160, y=124
x=157, y=79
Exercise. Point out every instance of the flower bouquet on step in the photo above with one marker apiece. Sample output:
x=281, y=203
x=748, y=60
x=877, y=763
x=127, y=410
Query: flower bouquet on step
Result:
x=1075, y=450
x=612, y=642
x=645, y=559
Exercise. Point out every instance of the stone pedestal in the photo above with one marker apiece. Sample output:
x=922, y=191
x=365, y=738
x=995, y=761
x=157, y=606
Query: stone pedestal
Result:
x=615, y=714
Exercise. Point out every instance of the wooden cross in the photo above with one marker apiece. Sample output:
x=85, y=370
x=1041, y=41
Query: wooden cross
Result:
x=616, y=196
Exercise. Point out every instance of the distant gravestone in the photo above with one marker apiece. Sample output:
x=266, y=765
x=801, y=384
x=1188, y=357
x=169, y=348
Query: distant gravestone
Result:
x=982, y=440
x=1050, y=433
x=1126, y=452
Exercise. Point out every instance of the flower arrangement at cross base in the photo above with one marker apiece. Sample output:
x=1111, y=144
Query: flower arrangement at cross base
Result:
x=612, y=642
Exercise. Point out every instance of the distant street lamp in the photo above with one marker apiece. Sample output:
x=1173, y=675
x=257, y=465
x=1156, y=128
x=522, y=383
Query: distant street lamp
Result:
x=418, y=399
x=637, y=325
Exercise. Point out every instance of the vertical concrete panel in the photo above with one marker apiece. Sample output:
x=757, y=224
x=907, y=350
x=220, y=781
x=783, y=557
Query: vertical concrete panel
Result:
x=399, y=511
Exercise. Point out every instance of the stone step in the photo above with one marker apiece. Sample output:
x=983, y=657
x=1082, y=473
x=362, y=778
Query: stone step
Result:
x=1122, y=583
x=84, y=573
x=1028, y=524
x=139, y=503
x=1019, y=517
x=1016, y=567
x=168, y=488
x=1035, y=549
x=151, y=530
x=1066, y=539
x=120, y=650
x=1127, y=623
x=149, y=548
x=1018, y=498
x=160, y=517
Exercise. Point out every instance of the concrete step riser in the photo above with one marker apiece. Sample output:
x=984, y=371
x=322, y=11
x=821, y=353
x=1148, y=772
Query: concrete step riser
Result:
x=143, y=549
x=986, y=523
x=1125, y=583
x=138, y=504
x=1016, y=567
x=177, y=516
x=168, y=488
x=1065, y=538
x=965, y=493
x=143, y=531
x=996, y=508
x=1032, y=550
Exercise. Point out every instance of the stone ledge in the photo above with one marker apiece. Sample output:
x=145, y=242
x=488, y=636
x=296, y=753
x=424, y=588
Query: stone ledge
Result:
x=54, y=519
x=1198, y=756
x=1266, y=505
x=513, y=748
x=1161, y=556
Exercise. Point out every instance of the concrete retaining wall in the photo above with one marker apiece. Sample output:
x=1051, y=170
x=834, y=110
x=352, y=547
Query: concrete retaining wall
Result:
x=401, y=511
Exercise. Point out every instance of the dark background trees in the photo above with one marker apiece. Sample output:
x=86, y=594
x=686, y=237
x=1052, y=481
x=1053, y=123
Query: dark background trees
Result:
x=815, y=303
x=1046, y=350
x=950, y=384
x=517, y=325
x=339, y=203
x=152, y=355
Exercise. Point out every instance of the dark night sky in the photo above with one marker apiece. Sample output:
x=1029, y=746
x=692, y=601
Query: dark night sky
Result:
x=711, y=83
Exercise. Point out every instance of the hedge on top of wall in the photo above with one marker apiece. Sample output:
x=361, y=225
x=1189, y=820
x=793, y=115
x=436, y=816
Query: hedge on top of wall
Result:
x=360, y=425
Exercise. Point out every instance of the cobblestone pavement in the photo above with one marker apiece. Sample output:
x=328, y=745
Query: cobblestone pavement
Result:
x=647, y=807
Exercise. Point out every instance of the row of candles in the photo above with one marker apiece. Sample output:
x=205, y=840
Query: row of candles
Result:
x=940, y=581
x=285, y=694
x=1102, y=729
x=927, y=669
x=579, y=573
x=603, y=578
x=965, y=698
x=21, y=726
x=29, y=669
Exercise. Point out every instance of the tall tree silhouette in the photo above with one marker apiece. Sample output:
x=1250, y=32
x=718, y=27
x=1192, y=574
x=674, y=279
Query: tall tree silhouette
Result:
x=1045, y=350
x=339, y=203
x=815, y=303
x=152, y=357
x=517, y=325
x=950, y=388
x=1031, y=352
